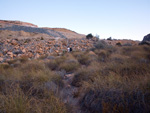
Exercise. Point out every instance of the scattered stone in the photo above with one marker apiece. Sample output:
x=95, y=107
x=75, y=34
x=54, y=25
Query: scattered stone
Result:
x=14, y=42
x=17, y=52
x=1, y=59
x=37, y=55
x=35, y=48
x=10, y=54
x=1, y=54
x=24, y=50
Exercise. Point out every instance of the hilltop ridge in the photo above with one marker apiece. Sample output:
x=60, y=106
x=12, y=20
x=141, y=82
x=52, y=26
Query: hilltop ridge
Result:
x=6, y=23
x=45, y=32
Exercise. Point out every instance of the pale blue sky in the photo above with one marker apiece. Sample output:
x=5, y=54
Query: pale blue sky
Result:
x=120, y=19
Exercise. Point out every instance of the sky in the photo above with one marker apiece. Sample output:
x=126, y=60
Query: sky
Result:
x=119, y=19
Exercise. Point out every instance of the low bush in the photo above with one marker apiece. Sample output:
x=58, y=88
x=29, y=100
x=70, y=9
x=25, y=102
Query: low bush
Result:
x=101, y=45
x=25, y=89
x=69, y=66
x=16, y=101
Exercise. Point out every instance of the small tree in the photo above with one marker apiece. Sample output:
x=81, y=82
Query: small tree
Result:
x=89, y=36
x=109, y=38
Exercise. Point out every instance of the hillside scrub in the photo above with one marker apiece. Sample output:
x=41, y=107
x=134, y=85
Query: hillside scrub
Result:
x=25, y=89
x=107, y=79
x=120, y=84
x=116, y=93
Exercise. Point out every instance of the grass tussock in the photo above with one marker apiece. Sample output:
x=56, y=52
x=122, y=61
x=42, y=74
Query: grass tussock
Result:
x=16, y=101
x=69, y=65
x=25, y=89
x=119, y=84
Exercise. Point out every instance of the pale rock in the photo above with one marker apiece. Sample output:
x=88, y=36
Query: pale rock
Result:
x=10, y=54
x=1, y=59
x=37, y=55
x=14, y=42
x=30, y=55
x=24, y=50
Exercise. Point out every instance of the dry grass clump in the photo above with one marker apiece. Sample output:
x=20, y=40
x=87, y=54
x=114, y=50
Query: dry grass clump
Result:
x=84, y=59
x=53, y=64
x=120, y=84
x=85, y=74
x=121, y=94
x=25, y=89
x=101, y=45
x=69, y=66
x=15, y=100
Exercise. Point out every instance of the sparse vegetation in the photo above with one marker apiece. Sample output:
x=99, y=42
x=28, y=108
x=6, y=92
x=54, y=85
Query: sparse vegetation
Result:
x=24, y=89
x=114, y=86
x=108, y=79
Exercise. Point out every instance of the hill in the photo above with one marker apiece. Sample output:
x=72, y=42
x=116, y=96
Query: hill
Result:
x=31, y=28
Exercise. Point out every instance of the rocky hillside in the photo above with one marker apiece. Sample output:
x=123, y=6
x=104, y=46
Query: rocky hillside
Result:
x=18, y=26
x=6, y=23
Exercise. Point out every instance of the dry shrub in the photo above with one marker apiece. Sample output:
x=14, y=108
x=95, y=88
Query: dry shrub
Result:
x=116, y=93
x=128, y=50
x=121, y=84
x=25, y=89
x=16, y=101
x=9, y=73
x=85, y=74
x=130, y=68
x=101, y=45
x=54, y=63
x=84, y=59
x=124, y=88
x=69, y=65
x=103, y=55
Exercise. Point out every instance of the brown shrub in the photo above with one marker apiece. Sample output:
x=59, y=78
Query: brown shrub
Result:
x=69, y=65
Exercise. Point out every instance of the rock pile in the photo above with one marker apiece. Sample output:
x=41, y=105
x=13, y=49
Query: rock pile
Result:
x=35, y=48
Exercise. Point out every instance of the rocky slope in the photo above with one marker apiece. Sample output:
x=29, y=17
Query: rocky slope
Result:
x=20, y=39
x=6, y=23
x=18, y=26
x=39, y=47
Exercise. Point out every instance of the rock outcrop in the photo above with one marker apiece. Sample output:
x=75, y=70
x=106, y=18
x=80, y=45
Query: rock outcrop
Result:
x=146, y=40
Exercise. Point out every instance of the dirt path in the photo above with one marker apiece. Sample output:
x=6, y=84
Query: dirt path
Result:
x=68, y=94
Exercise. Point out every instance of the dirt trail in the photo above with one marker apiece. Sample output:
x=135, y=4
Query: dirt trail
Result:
x=68, y=94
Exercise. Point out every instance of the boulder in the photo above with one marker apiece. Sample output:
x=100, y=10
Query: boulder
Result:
x=146, y=40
